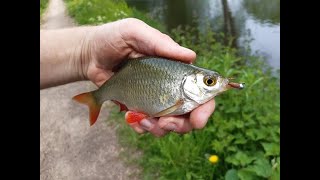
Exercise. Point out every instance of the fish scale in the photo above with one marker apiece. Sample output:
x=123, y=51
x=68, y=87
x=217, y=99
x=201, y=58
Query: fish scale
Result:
x=156, y=87
x=146, y=80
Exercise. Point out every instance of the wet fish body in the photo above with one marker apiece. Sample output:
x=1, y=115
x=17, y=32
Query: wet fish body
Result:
x=156, y=87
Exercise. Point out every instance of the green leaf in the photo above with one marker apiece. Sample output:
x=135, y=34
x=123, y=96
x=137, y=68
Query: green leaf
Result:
x=275, y=175
x=232, y=148
x=272, y=149
x=275, y=163
x=240, y=158
x=232, y=110
x=246, y=174
x=239, y=124
x=188, y=175
x=262, y=167
x=278, y=161
x=231, y=175
x=217, y=146
x=275, y=137
x=240, y=140
x=256, y=82
x=276, y=170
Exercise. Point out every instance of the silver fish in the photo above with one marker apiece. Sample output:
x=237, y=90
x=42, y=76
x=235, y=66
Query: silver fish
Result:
x=156, y=87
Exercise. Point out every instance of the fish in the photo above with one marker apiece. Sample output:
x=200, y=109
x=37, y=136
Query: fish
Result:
x=151, y=87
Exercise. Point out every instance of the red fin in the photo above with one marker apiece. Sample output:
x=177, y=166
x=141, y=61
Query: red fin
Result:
x=122, y=106
x=90, y=101
x=132, y=117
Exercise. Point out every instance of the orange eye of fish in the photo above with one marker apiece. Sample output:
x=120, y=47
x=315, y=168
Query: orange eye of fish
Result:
x=210, y=81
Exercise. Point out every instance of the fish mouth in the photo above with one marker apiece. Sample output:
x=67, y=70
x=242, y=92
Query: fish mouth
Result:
x=233, y=85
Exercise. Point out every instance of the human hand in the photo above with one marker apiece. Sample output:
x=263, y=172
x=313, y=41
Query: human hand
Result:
x=108, y=45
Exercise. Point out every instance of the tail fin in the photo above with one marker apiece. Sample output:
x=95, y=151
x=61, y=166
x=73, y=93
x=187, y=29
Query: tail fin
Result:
x=90, y=101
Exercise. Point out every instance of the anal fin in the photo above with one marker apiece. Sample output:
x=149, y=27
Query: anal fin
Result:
x=122, y=106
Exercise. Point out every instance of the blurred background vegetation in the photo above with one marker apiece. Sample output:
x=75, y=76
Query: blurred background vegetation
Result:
x=236, y=38
x=43, y=6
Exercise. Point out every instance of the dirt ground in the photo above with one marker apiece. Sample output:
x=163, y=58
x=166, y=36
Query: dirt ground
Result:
x=69, y=147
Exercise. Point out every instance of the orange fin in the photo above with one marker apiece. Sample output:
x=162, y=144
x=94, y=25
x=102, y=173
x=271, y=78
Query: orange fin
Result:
x=122, y=106
x=90, y=101
x=133, y=117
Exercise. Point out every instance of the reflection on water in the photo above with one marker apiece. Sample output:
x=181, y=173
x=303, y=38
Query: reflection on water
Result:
x=261, y=18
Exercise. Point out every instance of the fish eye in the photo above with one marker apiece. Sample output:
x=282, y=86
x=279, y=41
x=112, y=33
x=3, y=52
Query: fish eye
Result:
x=210, y=81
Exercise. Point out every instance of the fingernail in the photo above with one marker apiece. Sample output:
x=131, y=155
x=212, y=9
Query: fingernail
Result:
x=170, y=127
x=146, y=124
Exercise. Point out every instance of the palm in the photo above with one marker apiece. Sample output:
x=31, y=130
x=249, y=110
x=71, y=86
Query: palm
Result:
x=99, y=72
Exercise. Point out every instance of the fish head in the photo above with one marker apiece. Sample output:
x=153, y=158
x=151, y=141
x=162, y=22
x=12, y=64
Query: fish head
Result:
x=202, y=86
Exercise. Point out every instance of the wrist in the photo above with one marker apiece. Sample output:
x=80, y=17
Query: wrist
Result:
x=82, y=55
x=63, y=55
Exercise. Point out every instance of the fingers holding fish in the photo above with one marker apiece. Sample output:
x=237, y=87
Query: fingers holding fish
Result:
x=135, y=54
x=136, y=127
x=164, y=125
x=99, y=76
x=146, y=124
x=166, y=47
x=178, y=124
x=201, y=114
x=150, y=41
x=152, y=126
x=141, y=124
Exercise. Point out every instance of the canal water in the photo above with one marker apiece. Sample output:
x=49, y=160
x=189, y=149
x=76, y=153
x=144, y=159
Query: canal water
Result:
x=258, y=20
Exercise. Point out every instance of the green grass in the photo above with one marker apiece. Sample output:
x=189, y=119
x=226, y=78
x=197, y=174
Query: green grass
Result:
x=102, y=11
x=43, y=6
x=244, y=131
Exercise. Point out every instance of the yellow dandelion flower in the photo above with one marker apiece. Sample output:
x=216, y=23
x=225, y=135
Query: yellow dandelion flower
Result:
x=214, y=159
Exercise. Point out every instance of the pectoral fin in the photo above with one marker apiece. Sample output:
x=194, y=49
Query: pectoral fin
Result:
x=133, y=117
x=169, y=110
